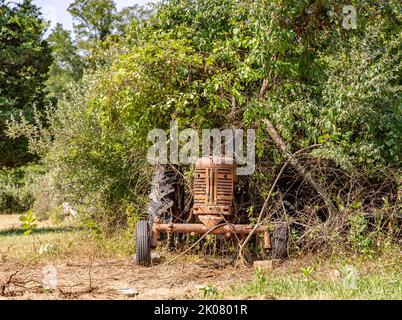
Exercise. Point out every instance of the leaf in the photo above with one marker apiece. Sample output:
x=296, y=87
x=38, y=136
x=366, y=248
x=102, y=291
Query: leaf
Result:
x=356, y=205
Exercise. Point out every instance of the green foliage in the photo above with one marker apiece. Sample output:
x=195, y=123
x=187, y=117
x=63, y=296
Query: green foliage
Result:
x=93, y=228
x=360, y=237
x=128, y=15
x=209, y=292
x=98, y=26
x=307, y=271
x=94, y=18
x=25, y=59
x=17, y=188
x=67, y=66
x=203, y=63
x=97, y=22
x=373, y=286
x=88, y=163
x=222, y=52
x=260, y=280
x=28, y=222
x=361, y=104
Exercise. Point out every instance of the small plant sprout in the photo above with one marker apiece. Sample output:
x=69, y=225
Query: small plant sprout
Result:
x=28, y=222
x=260, y=281
x=307, y=272
x=209, y=291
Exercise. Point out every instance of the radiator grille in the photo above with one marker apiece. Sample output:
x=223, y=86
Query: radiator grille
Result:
x=213, y=186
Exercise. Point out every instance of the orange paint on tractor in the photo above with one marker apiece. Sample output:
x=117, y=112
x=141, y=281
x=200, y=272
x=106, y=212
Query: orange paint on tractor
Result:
x=214, y=183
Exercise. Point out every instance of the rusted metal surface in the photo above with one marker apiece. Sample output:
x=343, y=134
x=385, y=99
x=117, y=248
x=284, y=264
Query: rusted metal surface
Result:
x=267, y=241
x=213, y=189
x=154, y=239
x=201, y=229
x=210, y=221
x=228, y=230
x=214, y=183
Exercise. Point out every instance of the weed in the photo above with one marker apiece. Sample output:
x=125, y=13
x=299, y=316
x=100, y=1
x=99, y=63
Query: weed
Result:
x=28, y=222
x=361, y=239
x=210, y=291
x=358, y=279
x=307, y=272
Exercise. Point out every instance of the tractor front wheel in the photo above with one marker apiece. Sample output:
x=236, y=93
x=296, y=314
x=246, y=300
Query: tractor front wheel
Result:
x=143, y=243
x=280, y=238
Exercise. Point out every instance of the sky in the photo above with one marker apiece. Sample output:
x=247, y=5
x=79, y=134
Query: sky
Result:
x=56, y=10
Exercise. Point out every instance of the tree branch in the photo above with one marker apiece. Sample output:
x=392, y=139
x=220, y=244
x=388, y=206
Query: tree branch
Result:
x=332, y=210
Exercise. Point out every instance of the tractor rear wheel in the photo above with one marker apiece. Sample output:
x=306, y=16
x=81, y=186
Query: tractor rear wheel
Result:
x=143, y=243
x=280, y=239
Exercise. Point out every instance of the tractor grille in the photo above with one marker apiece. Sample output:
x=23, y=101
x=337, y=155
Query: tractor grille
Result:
x=213, y=188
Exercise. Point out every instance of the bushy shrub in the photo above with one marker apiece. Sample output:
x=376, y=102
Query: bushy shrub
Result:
x=233, y=64
x=17, y=188
x=88, y=163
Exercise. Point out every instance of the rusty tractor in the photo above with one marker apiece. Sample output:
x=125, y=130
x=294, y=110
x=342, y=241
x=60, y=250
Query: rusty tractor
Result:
x=213, y=189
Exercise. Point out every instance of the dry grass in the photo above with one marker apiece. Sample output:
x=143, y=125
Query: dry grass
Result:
x=11, y=221
x=91, y=269
x=88, y=268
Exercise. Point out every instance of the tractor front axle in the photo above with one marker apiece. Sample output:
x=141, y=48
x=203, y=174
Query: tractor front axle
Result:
x=226, y=229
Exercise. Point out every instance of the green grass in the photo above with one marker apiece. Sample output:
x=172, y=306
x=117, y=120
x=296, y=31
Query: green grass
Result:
x=373, y=287
x=10, y=232
x=72, y=241
x=67, y=242
x=374, y=279
x=307, y=277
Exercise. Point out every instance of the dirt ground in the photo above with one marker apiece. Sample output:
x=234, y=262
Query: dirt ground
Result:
x=76, y=277
x=74, y=267
x=118, y=279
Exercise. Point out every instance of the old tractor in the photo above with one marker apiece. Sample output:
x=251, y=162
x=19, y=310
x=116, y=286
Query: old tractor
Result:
x=213, y=193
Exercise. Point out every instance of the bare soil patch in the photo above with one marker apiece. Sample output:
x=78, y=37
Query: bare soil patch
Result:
x=117, y=279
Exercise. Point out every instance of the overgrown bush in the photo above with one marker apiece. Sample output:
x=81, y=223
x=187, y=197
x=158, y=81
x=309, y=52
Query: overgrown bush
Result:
x=17, y=188
x=88, y=164
x=234, y=63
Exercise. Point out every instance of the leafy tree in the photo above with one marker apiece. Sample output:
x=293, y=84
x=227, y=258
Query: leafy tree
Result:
x=128, y=14
x=25, y=59
x=94, y=20
x=97, y=22
x=67, y=66
x=223, y=63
